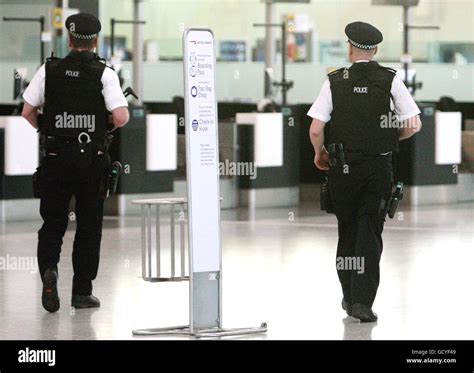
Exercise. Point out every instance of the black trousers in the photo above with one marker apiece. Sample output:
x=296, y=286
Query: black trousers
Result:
x=356, y=193
x=61, y=180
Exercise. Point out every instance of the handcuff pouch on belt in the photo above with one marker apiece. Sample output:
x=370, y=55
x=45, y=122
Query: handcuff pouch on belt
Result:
x=337, y=157
x=390, y=207
x=336, y=160
x=325, y=197
x=110, y=181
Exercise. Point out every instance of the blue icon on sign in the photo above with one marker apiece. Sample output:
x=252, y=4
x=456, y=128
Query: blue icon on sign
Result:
x=194, y=91
x=195, y=124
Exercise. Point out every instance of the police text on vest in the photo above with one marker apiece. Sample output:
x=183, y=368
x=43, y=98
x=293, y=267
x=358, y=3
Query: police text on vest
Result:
x=72, y=74
x=37, y=356
x=361, y=89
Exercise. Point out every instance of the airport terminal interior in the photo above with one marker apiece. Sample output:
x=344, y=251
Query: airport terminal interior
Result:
x=272, y=271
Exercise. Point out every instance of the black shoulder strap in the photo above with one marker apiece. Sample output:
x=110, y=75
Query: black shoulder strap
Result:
x=389, y=69
x=102, y=60
x=53, y=58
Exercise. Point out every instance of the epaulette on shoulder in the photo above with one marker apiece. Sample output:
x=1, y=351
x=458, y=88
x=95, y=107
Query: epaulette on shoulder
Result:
x=389, y=69
x=334, y=72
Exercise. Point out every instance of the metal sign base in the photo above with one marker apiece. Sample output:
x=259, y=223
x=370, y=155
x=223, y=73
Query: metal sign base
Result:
x=152, y=270
x=201, y=333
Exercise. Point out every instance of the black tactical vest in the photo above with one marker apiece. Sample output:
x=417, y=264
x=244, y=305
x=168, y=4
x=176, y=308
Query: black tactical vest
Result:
x=362, y=119
x=73, y=96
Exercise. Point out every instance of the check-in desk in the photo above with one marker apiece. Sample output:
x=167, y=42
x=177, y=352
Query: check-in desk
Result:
x=147, y=149
x=268, y=141
x=19, y=157
x=428, y=163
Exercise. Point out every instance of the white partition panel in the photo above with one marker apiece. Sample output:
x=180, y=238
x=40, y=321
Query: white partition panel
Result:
x=161, y=142
x=268, y=137
x=21, y=146
x=448, y=137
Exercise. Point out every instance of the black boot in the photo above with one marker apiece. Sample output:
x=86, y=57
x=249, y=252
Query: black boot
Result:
x=346, y=307
x=84, y=301
x=50, y=298
x=363, y=313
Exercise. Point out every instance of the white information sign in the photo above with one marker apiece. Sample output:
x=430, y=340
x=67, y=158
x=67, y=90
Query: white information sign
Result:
x=202, y=152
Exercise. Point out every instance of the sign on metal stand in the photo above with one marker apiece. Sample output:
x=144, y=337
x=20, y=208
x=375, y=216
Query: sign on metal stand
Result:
x=202, y=179
x=203, y=201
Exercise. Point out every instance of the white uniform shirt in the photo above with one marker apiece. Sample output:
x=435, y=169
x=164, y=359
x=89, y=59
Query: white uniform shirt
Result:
x=112, y=92
x=403, y=103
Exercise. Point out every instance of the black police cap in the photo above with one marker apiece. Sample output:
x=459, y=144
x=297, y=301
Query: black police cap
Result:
x=363, y=35
x=83, y=25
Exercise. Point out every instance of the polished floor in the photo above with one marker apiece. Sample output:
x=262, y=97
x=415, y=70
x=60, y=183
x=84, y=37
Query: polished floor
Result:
x=279, y=267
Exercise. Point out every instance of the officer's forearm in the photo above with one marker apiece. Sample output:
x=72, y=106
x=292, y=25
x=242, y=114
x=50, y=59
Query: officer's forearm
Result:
x=33, y=120
x=409, y=127
x=30, y=113
x=318, y=142
x=316, y=135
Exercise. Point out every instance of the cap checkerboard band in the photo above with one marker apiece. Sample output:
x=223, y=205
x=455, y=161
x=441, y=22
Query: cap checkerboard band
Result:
x=361, y=46
x=81, y=36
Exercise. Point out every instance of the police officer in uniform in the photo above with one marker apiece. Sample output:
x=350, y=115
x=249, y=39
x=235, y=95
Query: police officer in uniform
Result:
x=67, y=101
x=361, y=103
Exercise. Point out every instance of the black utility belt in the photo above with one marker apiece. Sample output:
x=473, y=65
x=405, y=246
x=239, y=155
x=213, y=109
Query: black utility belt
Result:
x=338, y=156
x=355, y=156
x=55, y=142
x=82, y=148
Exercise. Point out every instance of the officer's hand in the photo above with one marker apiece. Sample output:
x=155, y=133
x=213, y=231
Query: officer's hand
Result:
x=321, y=160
